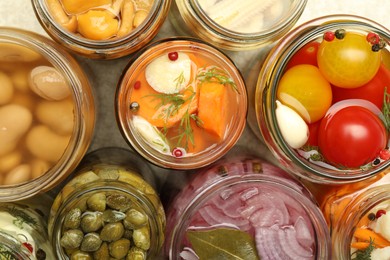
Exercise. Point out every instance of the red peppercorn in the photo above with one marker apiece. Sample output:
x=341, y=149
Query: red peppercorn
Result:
x=137, y=84
x=373, y=38
x=384, y=154
x=173, y=55
x=28, y=246
x=178, y=152
x=329, y=36
x=380, y=212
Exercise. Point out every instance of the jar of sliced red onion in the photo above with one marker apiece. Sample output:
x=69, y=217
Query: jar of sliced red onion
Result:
x=248, y=209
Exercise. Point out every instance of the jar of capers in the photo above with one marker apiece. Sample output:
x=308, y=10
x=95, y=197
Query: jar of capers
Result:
x=108, y=210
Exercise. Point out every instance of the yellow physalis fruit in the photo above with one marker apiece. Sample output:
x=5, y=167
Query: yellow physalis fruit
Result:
x=97, y=25
x=81, y=6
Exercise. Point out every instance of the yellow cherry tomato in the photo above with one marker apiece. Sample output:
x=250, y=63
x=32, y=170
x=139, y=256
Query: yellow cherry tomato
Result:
x=304, y=89
x=349, y=62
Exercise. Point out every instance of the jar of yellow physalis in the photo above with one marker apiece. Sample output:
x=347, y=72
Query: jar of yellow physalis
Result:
x=102, y=29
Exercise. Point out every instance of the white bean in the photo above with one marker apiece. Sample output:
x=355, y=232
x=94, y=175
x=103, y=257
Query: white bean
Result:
x=48, y=83
x=45, y=144
x=15, y=120
x=38, y=168
x=7, y=147
x=10, y=161
x=6, y=88
x=17, y=53
x=58, y=115
x=19, y=78
x=19, y=174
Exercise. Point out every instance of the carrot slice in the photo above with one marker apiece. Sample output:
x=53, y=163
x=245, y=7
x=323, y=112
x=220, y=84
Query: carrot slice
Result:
x=365, y=234
x=212, y=101
x=360, y=245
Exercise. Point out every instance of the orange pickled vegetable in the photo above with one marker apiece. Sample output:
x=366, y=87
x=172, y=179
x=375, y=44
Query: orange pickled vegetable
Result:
x=97, y=24
x=211, y=112
x=364, y=235
x=80, y=6
x=360, y=245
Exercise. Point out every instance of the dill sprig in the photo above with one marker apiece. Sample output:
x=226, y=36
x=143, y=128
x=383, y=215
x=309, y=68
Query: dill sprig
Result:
x=364, y=254
x=6, y=254
x=215, y=74
x=20, y=216
x=386, y=109
x=179, y=80
x=175, y=101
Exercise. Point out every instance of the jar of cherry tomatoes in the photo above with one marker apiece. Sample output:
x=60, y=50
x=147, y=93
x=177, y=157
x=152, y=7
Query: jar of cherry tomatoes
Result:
x=236, y=25
x=103, y=29
x=322, y=101
x=360, y=222
x=246, y=208
x=47, y=114
x=108, y=209
x=181, y=103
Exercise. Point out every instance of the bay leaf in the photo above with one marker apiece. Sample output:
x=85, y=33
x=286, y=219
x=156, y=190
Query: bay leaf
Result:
x=223, y=243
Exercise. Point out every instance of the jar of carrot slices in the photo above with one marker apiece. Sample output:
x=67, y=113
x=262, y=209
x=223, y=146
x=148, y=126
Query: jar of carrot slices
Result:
x=181, y=103
x=102, y=29
x=322, y=99
x=245, y=208
x=236, y=25
x=360, y=222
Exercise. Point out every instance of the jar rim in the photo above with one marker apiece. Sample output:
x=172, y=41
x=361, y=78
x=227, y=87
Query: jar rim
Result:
x=270, y=75
x=77, y=82
x=123, y=113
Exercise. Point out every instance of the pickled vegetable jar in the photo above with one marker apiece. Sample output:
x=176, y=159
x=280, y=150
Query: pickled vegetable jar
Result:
x=47, y=114
x=23, y=230
x=360, y=222
x=181, y=103
x=236, y=25
x=108, y=210
x=102, y=29
x=322, y=100
x=245, y=209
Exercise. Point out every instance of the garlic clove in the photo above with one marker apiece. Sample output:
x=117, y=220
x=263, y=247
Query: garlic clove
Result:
x=293, y=128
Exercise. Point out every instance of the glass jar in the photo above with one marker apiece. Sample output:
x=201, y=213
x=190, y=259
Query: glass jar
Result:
x=108, y=209
x=359, y=222
x=303, y=136
x=23, y=229
x=247, y=208
x=70, y=23
x=236, y=26
x=181, y=103
x=47, y=91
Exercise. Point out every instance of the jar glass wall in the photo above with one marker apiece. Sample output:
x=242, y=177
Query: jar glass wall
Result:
x=181, y=103
x=49, y=94
x=249, y=207
x=125, y=25
x=108, y=210
x=296, y=124
x=236, y=25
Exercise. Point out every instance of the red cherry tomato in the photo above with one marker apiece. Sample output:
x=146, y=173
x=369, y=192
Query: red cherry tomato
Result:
x=373, y=91
x=306, y=55
x=313, y=133
x=351, y=137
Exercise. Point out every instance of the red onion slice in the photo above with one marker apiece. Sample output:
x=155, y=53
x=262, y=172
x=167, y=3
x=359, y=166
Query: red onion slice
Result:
x=214, y=216
x=304, y=234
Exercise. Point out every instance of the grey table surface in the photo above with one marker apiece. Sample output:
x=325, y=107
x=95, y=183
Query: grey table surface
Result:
x=104, y=75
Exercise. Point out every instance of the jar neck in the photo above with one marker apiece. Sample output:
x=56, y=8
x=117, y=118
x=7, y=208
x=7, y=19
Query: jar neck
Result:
x=12, y=248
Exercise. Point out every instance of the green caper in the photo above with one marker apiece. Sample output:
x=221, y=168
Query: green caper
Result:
x=119, y=202
x=135, y=219
x=72, y=219
x=97, y=202
x=136, y=253
x=71, y=238
x=108, y=173
x=112, y=232
x=113, y=216
x=80, y=255
x=102, y=253
x=119, y=248
x=91, y=242
x=91, y=221
x=141, y=238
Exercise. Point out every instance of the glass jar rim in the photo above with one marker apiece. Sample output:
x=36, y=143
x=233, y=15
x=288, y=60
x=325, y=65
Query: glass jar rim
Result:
x=270, y=75
x=308, y=204
x=14, y=248
x=65, y=64
x=154, y=156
